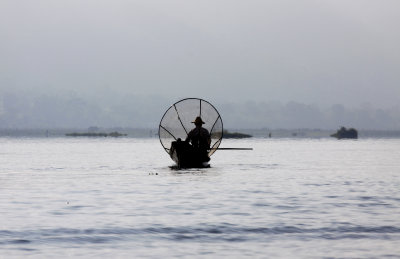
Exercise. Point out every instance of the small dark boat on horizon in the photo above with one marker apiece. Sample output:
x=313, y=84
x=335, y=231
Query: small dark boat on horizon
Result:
x=344, y=133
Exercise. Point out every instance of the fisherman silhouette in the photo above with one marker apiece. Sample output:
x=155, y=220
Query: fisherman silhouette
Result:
x=194, y=150
x=200, y=139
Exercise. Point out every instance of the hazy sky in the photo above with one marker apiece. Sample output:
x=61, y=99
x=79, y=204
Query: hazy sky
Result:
x=317, y=52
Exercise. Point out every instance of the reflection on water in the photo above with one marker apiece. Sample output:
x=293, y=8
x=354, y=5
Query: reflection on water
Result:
x=118, y=197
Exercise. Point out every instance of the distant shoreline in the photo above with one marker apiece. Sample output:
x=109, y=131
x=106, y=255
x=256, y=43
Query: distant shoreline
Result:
x=153, y=132
x=96, y=134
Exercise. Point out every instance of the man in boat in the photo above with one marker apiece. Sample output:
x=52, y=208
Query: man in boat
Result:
x=192, y=152
x=200, y=139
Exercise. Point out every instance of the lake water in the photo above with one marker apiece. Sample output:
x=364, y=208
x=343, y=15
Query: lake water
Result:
x=288, y=198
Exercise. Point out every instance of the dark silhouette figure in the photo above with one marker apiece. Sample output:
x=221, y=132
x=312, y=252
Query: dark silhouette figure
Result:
x=199, y=137
x=192, y=152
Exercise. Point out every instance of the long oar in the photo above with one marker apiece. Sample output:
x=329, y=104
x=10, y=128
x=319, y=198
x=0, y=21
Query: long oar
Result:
x=234, y=148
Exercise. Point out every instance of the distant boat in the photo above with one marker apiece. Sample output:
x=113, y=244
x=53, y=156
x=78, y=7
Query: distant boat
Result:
x=344, y=133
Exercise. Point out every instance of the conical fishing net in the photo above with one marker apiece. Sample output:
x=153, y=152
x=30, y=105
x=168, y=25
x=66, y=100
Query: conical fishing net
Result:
x=177, y=122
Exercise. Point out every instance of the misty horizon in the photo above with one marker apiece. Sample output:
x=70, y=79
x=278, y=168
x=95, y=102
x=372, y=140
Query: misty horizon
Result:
x=277, y=64
x=145, y=111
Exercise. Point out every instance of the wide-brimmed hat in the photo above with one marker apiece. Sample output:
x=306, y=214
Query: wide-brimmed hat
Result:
x=198, y=120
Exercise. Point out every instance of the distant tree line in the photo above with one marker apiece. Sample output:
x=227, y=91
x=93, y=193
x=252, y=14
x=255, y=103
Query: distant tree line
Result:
x=73, y=111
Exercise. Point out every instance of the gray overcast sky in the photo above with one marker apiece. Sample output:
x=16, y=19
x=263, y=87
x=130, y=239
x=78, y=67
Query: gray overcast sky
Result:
x=321, y=52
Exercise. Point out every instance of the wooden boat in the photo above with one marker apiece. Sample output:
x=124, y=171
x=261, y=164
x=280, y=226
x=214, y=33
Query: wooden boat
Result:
x=185, y=156
x=176, y=124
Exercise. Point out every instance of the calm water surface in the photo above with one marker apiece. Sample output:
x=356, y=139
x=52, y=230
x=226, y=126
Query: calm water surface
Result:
x=288, y=198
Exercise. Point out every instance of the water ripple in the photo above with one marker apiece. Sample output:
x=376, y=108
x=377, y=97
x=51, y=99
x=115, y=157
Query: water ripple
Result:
x=220, y=233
